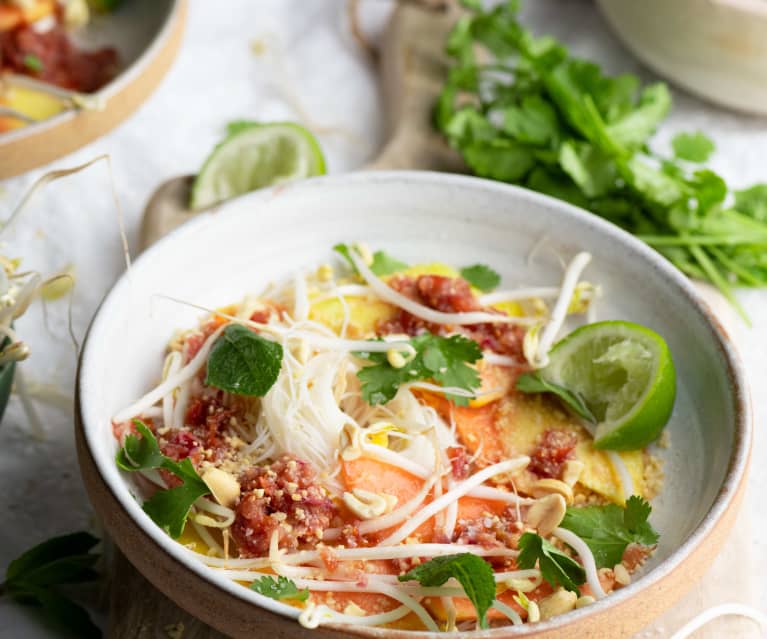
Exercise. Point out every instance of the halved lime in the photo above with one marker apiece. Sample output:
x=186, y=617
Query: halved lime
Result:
x=254, y=156
x=625, y=375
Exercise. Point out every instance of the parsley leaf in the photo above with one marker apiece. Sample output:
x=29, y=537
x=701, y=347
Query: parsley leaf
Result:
x=444, y=359
x=481, y=276
x=383, y=264
x=693, y=147
x=243, y=363
x=534, y=383
x=279, y=588
x=33, y=63
x=556, y=567
x=169, y=508
x=33, y=578
x=473, y=573
x=608, y=530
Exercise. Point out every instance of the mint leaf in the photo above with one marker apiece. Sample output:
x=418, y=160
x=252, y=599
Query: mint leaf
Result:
x=608, y=530
x=473, y=573
x=693, y=147
x=243, y=363
x=32, y=579
x=168, y=508
x=534, y=383
x=279, y=588
x=556, y=567
x=446, y=360
x=481, y=276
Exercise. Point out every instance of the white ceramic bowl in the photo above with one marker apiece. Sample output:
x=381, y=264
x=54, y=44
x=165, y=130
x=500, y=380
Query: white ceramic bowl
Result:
x=716, y=49
x=417, y=216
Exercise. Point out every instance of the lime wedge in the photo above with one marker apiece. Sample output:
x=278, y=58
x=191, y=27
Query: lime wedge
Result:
x=624, y=374
x=254, y=156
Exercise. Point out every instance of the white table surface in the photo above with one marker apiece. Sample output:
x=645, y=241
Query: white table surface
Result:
x=311, y=61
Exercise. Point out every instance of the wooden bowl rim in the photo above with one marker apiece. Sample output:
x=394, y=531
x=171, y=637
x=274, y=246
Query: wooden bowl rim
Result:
x=123, y=79
x=722, y=510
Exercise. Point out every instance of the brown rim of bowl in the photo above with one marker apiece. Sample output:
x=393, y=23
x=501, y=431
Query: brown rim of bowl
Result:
x=724, y=504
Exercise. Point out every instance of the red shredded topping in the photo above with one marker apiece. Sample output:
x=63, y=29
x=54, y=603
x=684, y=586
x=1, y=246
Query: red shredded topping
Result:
x=459, y=462
x=292, y=503
x=450, y=295
x=554, y=449
x=56, y=59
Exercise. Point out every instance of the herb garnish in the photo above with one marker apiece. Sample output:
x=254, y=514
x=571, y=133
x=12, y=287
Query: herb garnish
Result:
x=521, y=109
x=556, y=567
x=473, y=573
x=243, y=363
x=279, y=588
x=169, y=508
x=534, y=383
x=444, y=359
x=608, y=530
x=383, y=264
x=33, y=63
x=481, y=276
x=34, y=577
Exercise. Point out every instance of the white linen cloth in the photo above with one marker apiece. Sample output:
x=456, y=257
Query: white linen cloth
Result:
x=309, y=66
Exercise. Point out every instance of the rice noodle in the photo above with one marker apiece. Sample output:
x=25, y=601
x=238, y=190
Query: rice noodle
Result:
x=507, y=466
x=587, y=558
x=388, y=294
x=343, y=291
x=301, y=299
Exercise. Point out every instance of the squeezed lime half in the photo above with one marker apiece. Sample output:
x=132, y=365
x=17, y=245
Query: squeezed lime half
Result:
x=256, y=156
x=625, y=375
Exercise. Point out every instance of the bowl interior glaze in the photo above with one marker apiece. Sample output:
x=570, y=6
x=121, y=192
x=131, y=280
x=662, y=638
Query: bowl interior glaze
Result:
x=421, y=217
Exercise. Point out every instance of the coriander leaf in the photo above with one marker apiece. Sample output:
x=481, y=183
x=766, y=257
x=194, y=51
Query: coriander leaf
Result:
x=279, y=588
x=243, y=363
x=169, y=509
x=534, y=122
x=49, y=551
x=499, y=159
x=590, y=168
x=140, y=453
x=693, y=147
x=709, y=189
x=481, y=276
x=635, y=127
x=33, y=63
x=444, y=359
x=473, y=573
x=534, y=383
x=753, y=202
x=556, y=567
x=608, y=530
x=384, y=264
